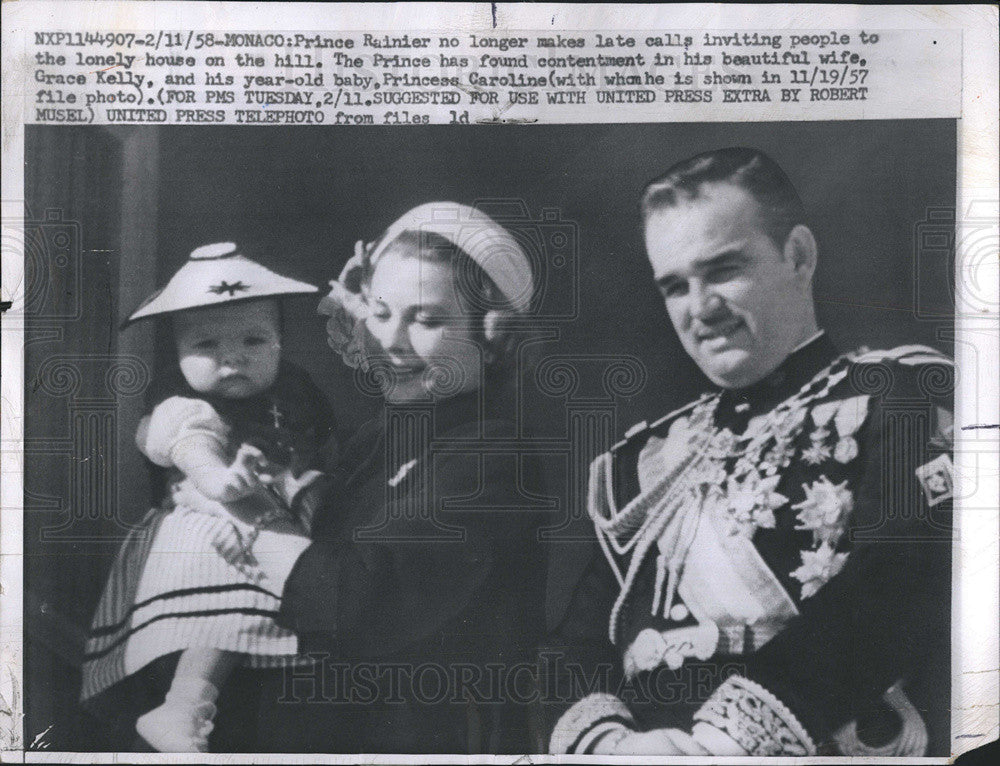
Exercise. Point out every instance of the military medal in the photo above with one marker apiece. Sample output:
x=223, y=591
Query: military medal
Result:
x=846, y=450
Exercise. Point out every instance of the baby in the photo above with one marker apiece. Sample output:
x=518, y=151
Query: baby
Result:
x=240, y=431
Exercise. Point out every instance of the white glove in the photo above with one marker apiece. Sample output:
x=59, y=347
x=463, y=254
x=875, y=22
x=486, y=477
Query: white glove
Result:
x=276, y=549
x=654, y=742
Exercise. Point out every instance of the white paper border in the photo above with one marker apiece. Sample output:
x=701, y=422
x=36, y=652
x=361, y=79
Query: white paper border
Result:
x=976, y=677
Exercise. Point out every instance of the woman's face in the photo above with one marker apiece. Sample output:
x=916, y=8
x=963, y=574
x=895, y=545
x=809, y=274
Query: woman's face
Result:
x=429, y=344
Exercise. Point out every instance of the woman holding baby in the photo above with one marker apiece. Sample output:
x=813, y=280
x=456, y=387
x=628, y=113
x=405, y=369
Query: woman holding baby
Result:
x=421, y=588
x=398, y=580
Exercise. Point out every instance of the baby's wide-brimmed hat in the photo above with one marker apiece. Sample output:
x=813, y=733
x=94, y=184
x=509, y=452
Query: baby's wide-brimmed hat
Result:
x=216, y=274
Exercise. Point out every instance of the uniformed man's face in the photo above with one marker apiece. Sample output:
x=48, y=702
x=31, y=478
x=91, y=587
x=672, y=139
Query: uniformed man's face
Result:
x=739, y=302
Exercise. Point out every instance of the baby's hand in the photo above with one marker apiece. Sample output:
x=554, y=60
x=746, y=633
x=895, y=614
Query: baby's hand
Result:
x=230, y=483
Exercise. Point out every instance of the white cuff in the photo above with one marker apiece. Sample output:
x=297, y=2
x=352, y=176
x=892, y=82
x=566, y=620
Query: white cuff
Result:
x=755, y=719
x=716, y=741
x=586, y=720
x=602, y=731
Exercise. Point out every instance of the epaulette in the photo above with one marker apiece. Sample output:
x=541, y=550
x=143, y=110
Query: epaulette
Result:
x=643, y=427
x=909, y=355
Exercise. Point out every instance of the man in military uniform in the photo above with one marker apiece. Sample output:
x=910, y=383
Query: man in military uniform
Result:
x=772, y=574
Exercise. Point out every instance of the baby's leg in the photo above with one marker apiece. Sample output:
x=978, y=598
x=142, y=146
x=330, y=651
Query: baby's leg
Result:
x=182, y=723
x=212, y=666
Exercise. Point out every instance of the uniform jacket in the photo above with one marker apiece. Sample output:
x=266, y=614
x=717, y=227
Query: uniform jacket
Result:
x=774, y=562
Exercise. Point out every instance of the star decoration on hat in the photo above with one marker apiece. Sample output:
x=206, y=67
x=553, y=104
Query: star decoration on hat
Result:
x=225, y=287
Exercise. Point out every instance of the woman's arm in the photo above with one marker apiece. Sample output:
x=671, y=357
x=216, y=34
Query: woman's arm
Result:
x=277, y=548
x=436, y=546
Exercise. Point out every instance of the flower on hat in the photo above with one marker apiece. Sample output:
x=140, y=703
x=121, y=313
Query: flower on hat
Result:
x=825, y=510
x=818, y=567
x=345, y=327
x=229, y=289
x=347, y=311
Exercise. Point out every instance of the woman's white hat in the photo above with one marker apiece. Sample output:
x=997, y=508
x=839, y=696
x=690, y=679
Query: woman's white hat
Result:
x=216, y=274
x=485, y=241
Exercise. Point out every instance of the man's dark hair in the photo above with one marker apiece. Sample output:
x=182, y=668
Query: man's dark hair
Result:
x=749, y=169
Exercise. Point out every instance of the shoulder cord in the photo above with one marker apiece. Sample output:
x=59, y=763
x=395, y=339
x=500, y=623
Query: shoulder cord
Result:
x=651, y=530
x=651, y=533
x=671, y=567
x=608, y=529
x=638, y=507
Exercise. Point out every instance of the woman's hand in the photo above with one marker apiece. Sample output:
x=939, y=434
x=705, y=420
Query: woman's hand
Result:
x=240, y=545
x=267, y=551
x=230, y=542
x=276, y=548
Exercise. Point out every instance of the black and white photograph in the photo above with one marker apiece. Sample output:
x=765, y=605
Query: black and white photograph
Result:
x=491, y=382
x=624, y=439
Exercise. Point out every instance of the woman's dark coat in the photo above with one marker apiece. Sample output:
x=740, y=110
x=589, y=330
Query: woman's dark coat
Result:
x=421, y=597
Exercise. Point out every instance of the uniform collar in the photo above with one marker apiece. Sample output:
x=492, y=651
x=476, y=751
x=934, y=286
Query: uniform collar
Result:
x=798, y=368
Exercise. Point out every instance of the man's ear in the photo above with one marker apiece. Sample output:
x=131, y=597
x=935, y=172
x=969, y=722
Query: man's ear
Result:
x=801, y=251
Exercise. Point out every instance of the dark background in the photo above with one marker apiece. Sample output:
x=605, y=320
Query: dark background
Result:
x=134, y=201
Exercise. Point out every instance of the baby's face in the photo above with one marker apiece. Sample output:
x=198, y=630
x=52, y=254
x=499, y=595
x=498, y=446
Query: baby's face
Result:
x=232, y=350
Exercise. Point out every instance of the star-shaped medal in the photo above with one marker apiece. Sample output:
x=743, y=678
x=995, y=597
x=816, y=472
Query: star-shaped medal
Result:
x=225, y=287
